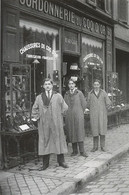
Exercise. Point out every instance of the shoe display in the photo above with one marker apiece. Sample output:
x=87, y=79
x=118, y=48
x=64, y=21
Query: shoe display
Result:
x=94, y=149
x=63, y=164
x=84, y=154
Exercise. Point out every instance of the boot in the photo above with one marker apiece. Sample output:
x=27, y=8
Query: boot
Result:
x=61, y=161
x=102, y=143
x=75, y=149
x=81, y=149
x=95, y=143
x=45, y=162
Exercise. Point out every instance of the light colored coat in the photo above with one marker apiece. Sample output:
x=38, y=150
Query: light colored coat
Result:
x=74, y=122
x=98, y=112
x=50, y=124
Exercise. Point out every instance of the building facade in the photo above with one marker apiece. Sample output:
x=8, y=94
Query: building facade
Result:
x=56, y=39
x=121, y=33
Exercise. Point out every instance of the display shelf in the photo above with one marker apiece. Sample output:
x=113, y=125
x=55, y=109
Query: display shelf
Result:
x=17, y=95
x=21, y=150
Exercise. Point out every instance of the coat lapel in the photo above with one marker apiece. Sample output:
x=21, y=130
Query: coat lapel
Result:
x=45, y=99
x=98, y=93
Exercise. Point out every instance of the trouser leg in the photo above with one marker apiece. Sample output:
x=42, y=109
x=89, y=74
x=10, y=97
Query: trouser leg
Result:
x=61, y=161
x=81, y=149
x=46, y=161
x=60, y=158
x=102, y=142
x=75, y=149
x=95, y=143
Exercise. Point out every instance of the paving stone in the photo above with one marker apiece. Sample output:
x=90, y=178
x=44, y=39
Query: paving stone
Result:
x=52, y=179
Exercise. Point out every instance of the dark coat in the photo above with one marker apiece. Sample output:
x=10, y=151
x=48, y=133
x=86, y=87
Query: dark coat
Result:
x=74, y=122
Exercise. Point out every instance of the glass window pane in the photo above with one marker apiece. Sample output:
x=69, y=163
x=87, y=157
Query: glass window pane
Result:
x=40, y=48
x=92, y=56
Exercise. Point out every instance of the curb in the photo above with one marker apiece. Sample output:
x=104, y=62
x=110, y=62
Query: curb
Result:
x=91, y=170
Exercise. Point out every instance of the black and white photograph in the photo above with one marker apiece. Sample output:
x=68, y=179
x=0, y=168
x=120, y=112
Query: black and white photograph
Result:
x=64, y=97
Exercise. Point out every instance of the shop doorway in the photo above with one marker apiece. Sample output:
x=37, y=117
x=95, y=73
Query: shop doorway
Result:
x=122, y=68
x=70, y=69
x=38, y=74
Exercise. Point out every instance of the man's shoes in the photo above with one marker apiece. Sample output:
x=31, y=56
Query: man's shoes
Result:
x=84, y=154
x=43, y=168
x=74, y=154
x=103, y=149
x=64, y=165
x=94, y=149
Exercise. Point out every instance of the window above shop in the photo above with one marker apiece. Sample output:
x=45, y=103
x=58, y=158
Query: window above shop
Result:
x=123, y=9
x=103, y=5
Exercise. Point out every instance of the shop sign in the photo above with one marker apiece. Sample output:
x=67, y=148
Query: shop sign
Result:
x=41, y=46
x=71, y=42
x=92, y=55
x=37, y=45
x=52, y=9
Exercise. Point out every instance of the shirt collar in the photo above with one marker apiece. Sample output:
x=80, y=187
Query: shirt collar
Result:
x=50, y=91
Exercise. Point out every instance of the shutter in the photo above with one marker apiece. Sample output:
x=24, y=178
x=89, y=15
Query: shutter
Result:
x=123, y=10
x=11, y=35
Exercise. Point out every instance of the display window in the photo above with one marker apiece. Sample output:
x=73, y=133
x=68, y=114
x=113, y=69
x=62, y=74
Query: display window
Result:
x=93, y=61
x=39, y=47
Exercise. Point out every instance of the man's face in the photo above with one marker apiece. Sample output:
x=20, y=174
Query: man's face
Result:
x=71, y=85
x=48, y=86
x=96, y=85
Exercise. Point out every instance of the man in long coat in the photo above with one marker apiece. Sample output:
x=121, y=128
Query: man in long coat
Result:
x=48, y=111
x=74, y=121
x=98, y=103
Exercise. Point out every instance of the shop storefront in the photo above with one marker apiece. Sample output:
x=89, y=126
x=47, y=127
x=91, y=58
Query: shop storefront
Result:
x=48, y=39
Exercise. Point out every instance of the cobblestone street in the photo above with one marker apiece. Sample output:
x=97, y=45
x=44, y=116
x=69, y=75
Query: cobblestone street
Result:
x=56, y=179
x=114, y=182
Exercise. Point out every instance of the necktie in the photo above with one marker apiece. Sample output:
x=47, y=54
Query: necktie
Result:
x=49, y=96
x=71, y=91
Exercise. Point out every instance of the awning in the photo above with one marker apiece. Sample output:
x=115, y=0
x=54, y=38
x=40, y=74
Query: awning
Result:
x=38, y=27
x=91, y=42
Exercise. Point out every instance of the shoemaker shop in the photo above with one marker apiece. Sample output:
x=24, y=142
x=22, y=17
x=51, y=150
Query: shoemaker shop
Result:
x=51, y=39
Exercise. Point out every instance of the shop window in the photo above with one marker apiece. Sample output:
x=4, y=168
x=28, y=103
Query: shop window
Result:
x=93, y=62
x=123, y=11
x=39, y=47
x=17, y=82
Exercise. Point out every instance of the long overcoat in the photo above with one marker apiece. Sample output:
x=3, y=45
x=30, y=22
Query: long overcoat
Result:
x=98, y=111
x=74, y=121
x=50, y=124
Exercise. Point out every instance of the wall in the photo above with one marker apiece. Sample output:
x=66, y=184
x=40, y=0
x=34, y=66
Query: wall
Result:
x=0, y=88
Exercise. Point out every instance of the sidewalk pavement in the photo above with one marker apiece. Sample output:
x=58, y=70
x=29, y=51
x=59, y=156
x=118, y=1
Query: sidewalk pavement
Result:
x=59, y=181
